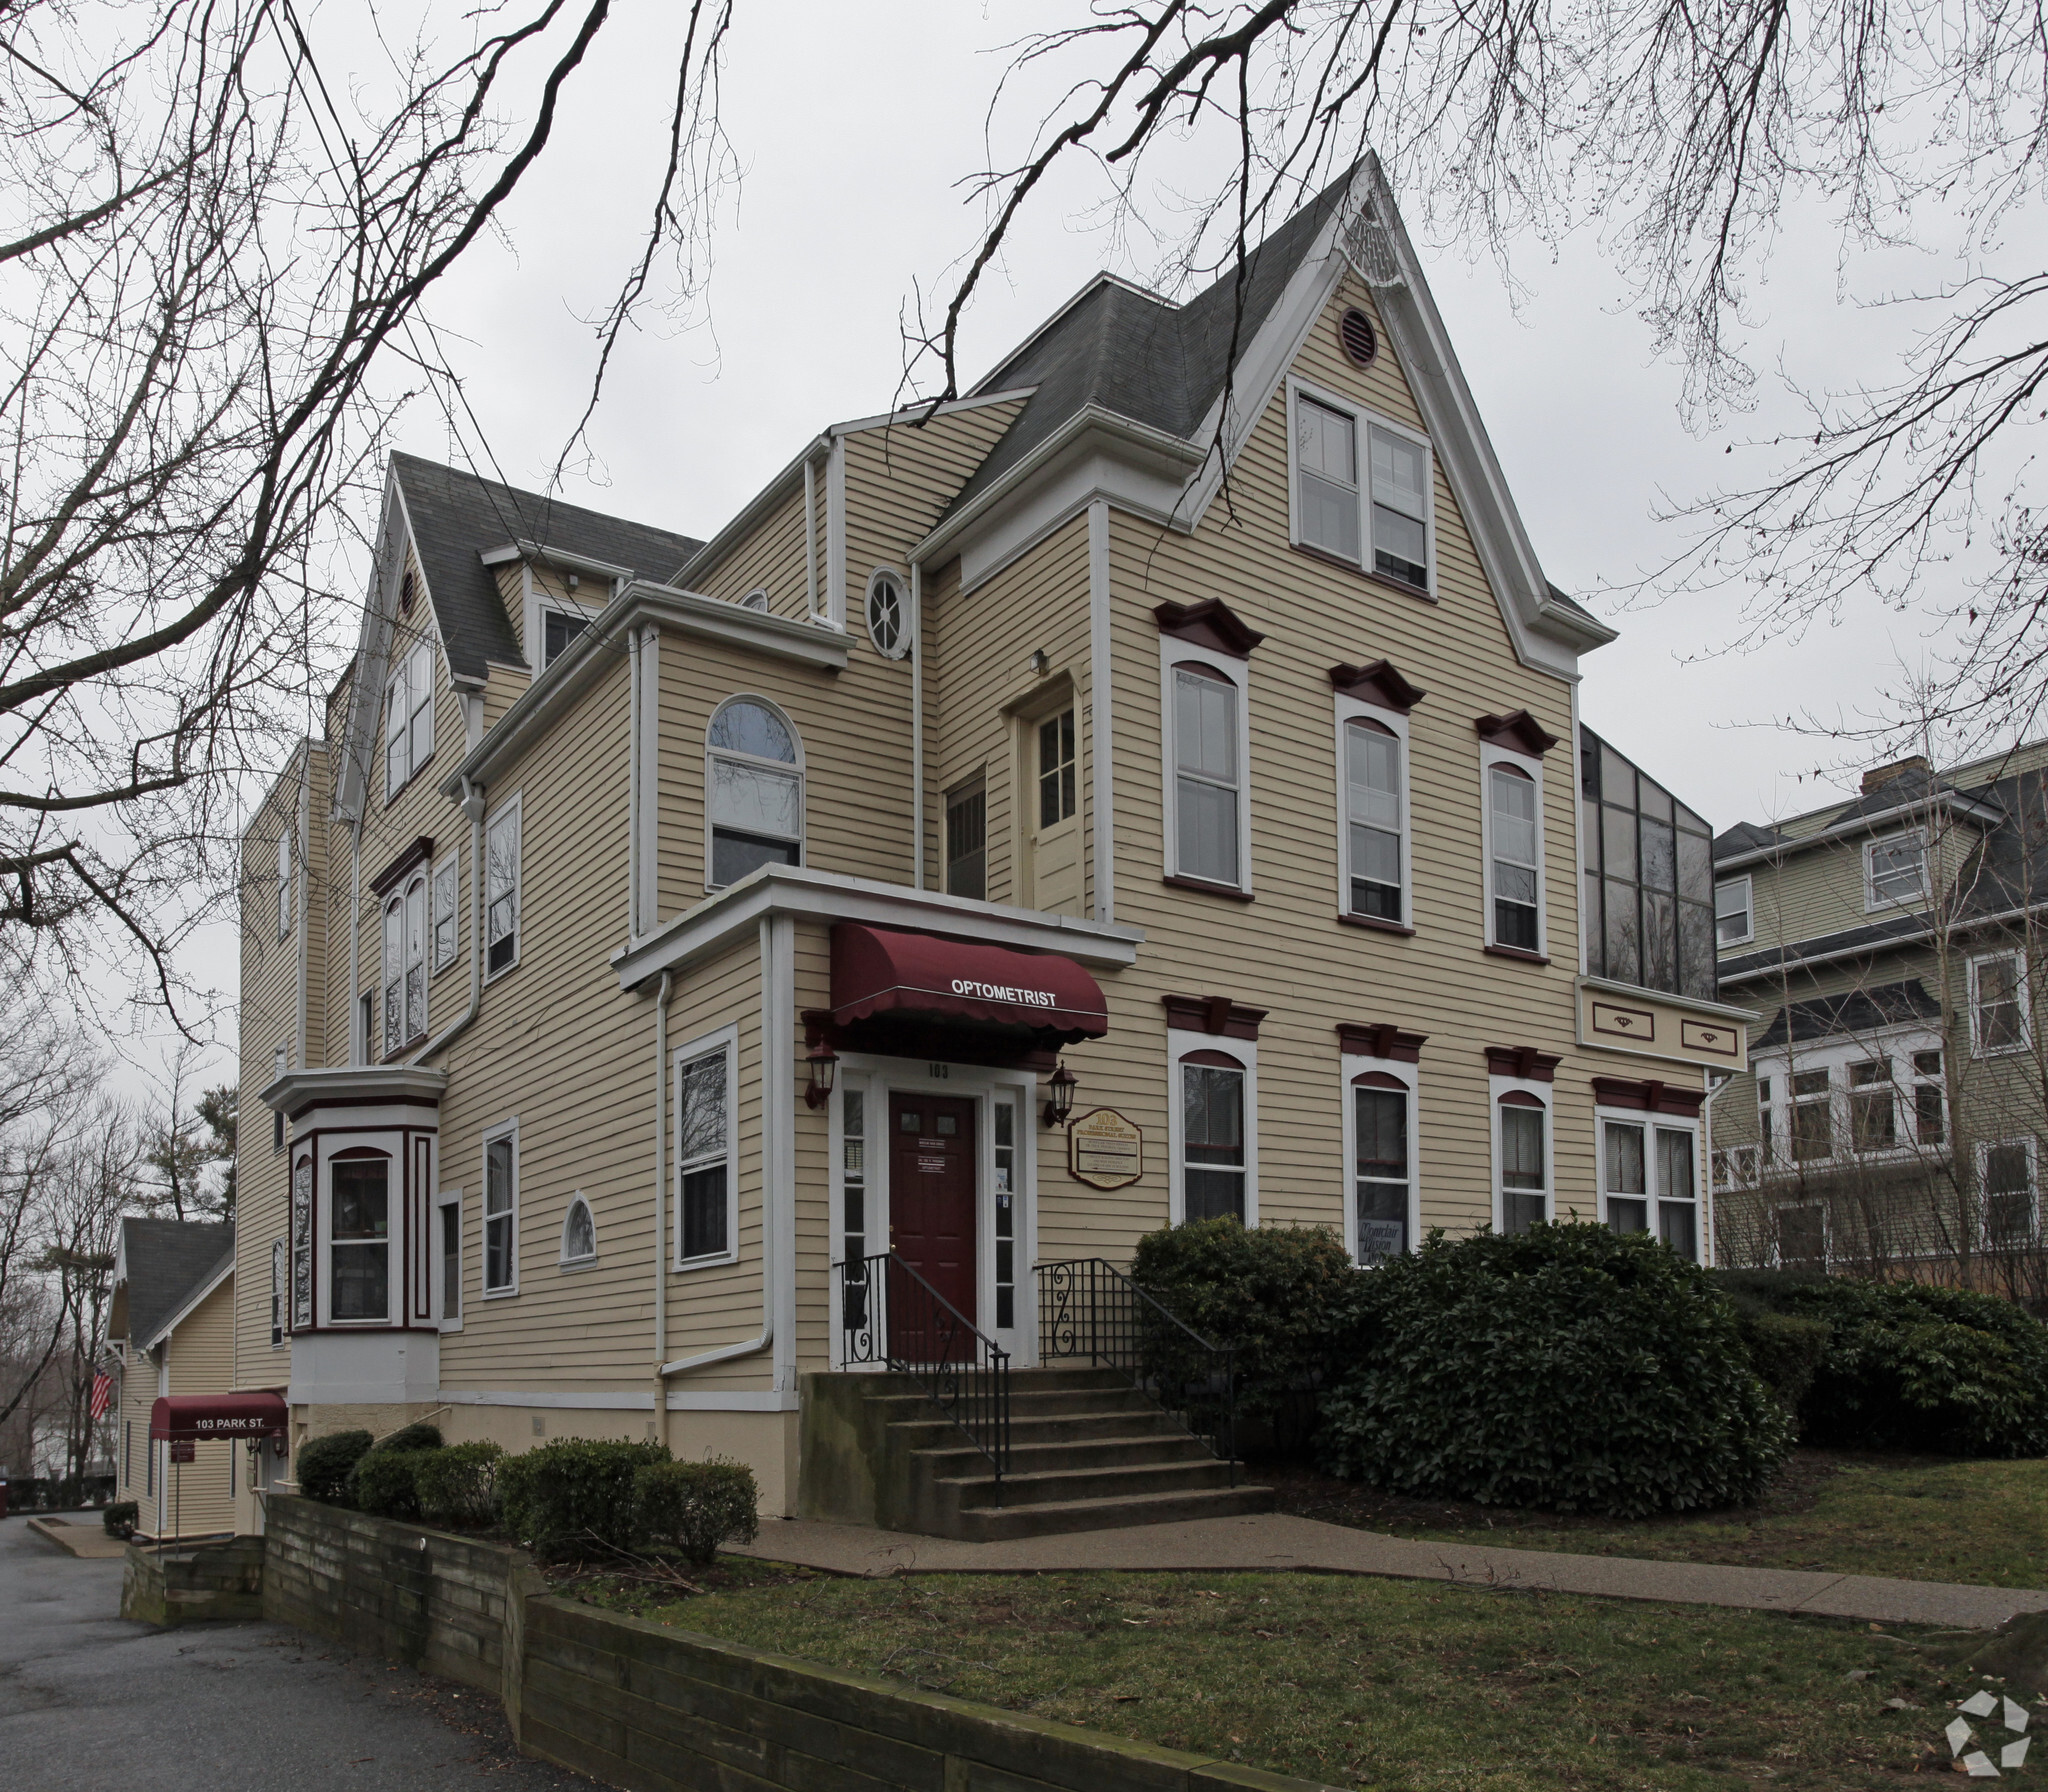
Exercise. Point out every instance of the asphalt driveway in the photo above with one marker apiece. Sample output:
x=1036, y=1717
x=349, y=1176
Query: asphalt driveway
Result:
x=92, y=1703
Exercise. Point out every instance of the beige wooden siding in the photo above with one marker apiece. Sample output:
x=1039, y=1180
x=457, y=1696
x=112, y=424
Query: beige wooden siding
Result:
x=1286, y=952
x=771, y=557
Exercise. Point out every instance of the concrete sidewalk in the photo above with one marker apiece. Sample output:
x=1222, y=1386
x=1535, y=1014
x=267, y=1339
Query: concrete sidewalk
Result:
x=1274, y=1540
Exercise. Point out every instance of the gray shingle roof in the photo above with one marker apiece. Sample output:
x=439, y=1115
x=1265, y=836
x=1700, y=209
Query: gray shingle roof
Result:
x=168, y=1261
x=1858, y=1011
x=456, y=517
x=1140, y=357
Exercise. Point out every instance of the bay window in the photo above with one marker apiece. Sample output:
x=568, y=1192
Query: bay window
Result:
x=359, y=1236
x=1648, y=1180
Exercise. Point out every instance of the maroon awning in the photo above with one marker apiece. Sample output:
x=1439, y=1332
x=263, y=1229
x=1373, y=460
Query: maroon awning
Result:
x=202, y=1416
x=880, y=970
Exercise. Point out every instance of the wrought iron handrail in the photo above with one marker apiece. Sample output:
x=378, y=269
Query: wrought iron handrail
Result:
x=889, y=1314
x=1087, y=1307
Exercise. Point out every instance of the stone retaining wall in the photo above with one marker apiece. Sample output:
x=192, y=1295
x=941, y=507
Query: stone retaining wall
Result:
x=654, y=1709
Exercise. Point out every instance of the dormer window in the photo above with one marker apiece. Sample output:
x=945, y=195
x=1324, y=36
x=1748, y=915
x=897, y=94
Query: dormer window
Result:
x=558, y=628
x=1895, y=869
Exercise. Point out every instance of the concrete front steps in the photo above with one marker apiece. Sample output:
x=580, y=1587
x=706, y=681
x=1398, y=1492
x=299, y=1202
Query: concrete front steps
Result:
x=1087, y=1453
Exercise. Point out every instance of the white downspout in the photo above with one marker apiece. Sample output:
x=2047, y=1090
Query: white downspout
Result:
x=916, y=725
x=473, y=807
x=661, y=1200
x=1708, y=1253
x=810, y=536
x=1102, y=712
x=776, y=1026
x=302, y=883
x=355, y=934
x=633, y=784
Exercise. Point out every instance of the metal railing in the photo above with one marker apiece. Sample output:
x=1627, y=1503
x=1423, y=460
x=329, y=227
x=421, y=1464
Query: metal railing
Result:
x=889, y=1314
x=1087, y=1307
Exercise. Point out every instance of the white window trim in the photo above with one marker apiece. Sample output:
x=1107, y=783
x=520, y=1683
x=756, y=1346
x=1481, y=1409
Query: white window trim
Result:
x=537, y=601
x=510, y=806
x=1363, y=420
x=1827, y=1231
x=1545, y=1093
x=1652, y=1124
x=908, y=625
x=2024, y=993
x=287, y=879
x=450, y=865
x=442, y=1201
x=2032, y=1148
x=1350, y=1066
x=724, y=1039
x=1835, y=1056
x=1489, y=757
x=420, y=652
x=589, y=1258
x=1174, y=652
x=392, y=1144
x=1179, y=1043
x=803, y=811
x=1748, y=884
x=505, y=1129
x=1873, y=903
x=1354, y=709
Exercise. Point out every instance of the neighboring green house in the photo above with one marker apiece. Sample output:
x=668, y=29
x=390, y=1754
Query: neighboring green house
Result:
x=1891, y=1118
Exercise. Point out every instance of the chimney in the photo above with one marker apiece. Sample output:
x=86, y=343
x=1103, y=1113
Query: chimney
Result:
x=1880, y=775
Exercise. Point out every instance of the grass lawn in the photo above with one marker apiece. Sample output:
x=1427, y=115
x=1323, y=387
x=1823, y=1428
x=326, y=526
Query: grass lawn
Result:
x=1918, y=1517
x=1395, y=1685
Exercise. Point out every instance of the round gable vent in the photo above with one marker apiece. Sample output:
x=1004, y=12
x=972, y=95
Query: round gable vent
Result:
x=1361, y=342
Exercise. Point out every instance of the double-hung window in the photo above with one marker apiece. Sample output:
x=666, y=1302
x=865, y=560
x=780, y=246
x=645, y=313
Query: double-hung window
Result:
x=706, y=1176
x=447, y=910
x=1514, y=854
x=1895, y=869
x=753, y=791
x=1375, y=843
x=1361, y=490
x=1649, y=1179
x=1206, y=726
x=2006, y=1174
x=501, y=1210
x=409, y=718
x=405, y=964
x=967, y=840
x=1734, y=919
x=1998, y=1004
x=1811, y=1130
x=501, y=890
x=359, y=1248
x=1379, y=1129
x=1930, y=1115
x=287, y=884
x=558, y=629
x=1212, y=1105
x=1522, y=1155
x=1873, y=1106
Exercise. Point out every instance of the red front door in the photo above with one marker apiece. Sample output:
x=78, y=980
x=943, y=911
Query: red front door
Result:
x=931, y=1223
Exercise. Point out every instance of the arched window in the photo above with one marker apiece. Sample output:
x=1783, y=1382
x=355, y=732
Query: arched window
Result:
x=579, y=1232
x=753, y=791
x=1514, y=822
x=405, y=965
x=1208, y=788
x=1373, y=820
x=1524, y=1158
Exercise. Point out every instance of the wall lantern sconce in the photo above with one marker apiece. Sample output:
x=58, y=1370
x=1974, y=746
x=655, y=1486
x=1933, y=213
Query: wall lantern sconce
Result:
x=1059, y=1099
x=824, y=1063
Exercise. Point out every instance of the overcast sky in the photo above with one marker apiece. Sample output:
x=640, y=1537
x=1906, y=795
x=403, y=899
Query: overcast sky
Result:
x=854, y=125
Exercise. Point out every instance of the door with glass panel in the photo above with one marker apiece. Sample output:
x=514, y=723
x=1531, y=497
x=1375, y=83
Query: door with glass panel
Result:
x=1649, y=1181
x=1052, y=814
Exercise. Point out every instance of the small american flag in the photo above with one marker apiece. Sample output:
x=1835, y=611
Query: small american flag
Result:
x=102, y=1393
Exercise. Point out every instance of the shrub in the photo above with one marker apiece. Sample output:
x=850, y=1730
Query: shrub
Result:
x=459, y=1484
x=326, y=1463
x=120, y=1517
x=1567, y=1367
x=1285, y=1297
x=697, y=1505
x=1784, y=1349
x=385, y=1483
x=565, y=1496
x=1913, y=1367
x=419, y=1435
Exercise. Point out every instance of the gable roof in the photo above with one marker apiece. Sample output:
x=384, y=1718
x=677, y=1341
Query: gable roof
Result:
x=1133, y=353
x=164, y=1264
x=457, y=517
